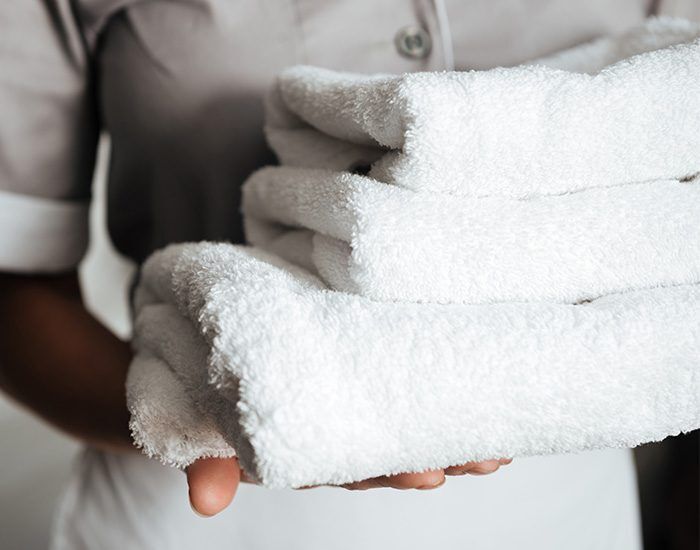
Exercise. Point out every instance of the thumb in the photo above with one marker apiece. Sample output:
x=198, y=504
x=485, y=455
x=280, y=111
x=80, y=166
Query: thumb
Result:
x=212, y=484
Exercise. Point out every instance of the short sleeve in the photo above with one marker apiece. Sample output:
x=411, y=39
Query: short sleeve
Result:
x=48, y=136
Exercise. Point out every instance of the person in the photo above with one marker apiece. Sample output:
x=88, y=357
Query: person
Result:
x=178, y=87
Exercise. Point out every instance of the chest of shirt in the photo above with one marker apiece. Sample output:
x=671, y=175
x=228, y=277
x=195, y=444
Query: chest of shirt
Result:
x=163, y=64
x=250, y=39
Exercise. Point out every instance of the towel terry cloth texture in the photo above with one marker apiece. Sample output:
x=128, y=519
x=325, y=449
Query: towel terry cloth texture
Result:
x=516, y=274
x=316, y=386
x=511, y=184
x=513, y=132
x=387, y=243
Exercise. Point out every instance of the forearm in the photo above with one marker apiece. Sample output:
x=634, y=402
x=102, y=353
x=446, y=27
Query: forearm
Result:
x=59, y=361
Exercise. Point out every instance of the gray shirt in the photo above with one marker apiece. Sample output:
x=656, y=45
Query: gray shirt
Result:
x=179, y=86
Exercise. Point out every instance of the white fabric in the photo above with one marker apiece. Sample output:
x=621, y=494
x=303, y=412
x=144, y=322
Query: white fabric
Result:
x=593, y=57
x=314, y=387
x=689, y=9
x=388, y=243
x=41, y=235
x=164, y=407
x=577, y=502
x=515, y=132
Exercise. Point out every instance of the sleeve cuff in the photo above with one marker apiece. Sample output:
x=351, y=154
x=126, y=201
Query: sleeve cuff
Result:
x=41, y=235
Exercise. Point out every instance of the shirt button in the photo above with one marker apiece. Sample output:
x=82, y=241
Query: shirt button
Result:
x=413, y=42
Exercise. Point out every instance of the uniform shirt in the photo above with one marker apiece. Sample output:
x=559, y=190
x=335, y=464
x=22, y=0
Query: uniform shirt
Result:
x=178, y=86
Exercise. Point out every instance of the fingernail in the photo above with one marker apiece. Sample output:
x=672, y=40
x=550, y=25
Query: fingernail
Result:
x=437, y=484
x=197, y=512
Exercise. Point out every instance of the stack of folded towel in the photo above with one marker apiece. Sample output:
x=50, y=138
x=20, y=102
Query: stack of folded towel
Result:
x=446, y=267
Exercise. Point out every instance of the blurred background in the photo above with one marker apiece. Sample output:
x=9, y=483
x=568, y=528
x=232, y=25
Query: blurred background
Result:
x=36, y=460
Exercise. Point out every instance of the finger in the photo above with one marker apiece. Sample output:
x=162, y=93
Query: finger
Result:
x=422, y=480
x=373, y=483
x=431, y=479
x=505, y=461
x=474, y=468
x=245, y=478
x=212, y=484
x=484, y=468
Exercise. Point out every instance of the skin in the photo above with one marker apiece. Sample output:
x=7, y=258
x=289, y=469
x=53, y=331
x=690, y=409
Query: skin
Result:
x=57, y=360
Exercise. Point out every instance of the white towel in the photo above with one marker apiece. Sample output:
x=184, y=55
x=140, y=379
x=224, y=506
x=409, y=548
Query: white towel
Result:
x=329, y=387
x=171, y=421
x=393, y=244
x=165, y=421
x=517, y=132
x=240, y=352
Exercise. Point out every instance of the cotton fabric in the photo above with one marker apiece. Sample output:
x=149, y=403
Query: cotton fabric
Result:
x=387, y=243
x=315, y=387
x=178, y=86
x=159, y=76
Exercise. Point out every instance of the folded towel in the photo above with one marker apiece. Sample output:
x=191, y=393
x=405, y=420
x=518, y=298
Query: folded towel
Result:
x=312, y=386
x=240, y=352
x=166, y=422
x=172, y=422
x=516, y=132
x=388, y=243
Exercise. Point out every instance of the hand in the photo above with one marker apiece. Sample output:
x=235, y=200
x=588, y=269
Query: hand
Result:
x=213, y=481
x=49, y=336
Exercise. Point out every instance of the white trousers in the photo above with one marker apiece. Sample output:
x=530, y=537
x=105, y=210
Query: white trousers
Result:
x=573, y=502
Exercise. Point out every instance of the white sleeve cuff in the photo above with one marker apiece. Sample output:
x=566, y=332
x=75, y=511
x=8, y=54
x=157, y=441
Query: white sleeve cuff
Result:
x=41, y=235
